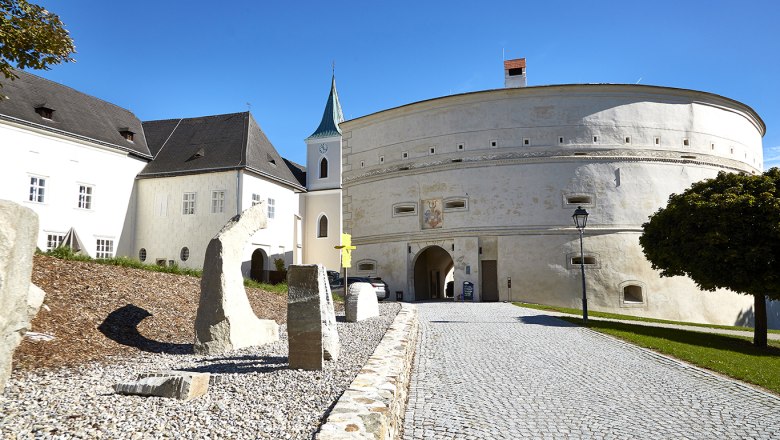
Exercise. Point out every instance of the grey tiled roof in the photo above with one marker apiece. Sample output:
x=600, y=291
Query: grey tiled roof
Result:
x=298, y=170
x=332, y=117
x=214, y=143
x=75, y=114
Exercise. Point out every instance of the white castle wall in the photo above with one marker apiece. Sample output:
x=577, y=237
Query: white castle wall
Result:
x=501, y=151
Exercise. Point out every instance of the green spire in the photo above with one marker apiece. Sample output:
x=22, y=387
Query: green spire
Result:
x=332, y=116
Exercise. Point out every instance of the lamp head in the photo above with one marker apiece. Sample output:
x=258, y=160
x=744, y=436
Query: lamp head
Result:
x=580, y=217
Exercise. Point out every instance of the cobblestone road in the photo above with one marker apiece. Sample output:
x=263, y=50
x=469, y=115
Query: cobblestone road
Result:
x=496, y=371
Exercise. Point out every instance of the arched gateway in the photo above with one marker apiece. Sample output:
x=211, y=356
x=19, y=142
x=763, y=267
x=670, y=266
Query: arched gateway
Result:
x=258, y=271
x=433, y=269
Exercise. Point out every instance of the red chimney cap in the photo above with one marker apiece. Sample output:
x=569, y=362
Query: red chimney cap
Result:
x=514, y=64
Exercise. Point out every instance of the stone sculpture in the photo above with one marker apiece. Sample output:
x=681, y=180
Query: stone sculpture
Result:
x=361, y=302
x=311, y=319
x=225, y=320
x=182, y=385
x=19, y=299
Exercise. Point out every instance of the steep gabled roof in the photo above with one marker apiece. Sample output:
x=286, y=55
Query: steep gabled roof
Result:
x=74, y=114
x=214, y=143
x=332, y=117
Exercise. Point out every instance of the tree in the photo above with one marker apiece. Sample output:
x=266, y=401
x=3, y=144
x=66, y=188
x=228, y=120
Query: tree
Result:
x=31, y=37
x=722, y=233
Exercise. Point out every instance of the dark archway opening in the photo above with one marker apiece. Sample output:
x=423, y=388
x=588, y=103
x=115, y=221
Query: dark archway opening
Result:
x=432, y=270
x=258, y=270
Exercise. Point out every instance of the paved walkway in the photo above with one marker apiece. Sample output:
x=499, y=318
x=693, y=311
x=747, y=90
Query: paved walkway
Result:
x=497, y=371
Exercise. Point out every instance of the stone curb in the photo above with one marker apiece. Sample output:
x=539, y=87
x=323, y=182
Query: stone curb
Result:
x=374, y=404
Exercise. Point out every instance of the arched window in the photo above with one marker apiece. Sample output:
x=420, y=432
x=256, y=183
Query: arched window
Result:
x=324, y=168
x=322, y=230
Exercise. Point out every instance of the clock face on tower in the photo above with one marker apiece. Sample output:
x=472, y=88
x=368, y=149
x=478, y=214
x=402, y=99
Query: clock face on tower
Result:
x=323, y=148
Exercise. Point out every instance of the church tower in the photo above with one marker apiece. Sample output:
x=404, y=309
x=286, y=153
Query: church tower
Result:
x=323, y=214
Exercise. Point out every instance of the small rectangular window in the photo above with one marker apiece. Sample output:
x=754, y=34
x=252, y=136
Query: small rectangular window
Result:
x=494, y=143
x=256, y=199
x=404, y=209
x=104, y=248
x=627, y=140
x=595, y=139
x=188, y=204
x=37, y=189
x=686, y=143
x=381, y=159
x=405, y=154
x=217, y=202
x=85, y=197
x=589, y=260
x=54, y=240
x=712, y=145
x=362, y=164
x=657, y=140
x=461, y=147
x=432, y=150
x=560, y=140
x=526, y=141
x=579, y=199
x=455, y=204
x=271, y=208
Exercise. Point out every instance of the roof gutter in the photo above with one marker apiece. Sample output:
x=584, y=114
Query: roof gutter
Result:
x=292, y=185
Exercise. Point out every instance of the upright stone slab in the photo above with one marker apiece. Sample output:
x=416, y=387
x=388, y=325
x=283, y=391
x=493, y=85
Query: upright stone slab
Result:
x=360, y=303
x=311, y=320
x=19, y=299
x=225, y=320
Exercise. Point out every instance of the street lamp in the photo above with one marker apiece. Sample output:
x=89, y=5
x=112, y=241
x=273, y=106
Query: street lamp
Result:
x=580, y=218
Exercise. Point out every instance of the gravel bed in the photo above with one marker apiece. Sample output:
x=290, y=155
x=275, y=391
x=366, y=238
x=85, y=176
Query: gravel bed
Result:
x=255, y=395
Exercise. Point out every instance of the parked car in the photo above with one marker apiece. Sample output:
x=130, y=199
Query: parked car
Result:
x=382, y=290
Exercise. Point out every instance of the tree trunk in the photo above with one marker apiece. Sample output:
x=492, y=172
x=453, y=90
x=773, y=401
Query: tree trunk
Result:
x=759, y=310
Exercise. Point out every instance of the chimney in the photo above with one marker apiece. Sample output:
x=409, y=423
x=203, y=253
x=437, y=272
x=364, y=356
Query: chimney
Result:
x=514, y=73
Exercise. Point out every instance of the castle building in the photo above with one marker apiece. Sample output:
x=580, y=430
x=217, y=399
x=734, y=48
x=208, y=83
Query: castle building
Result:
x=468, y=193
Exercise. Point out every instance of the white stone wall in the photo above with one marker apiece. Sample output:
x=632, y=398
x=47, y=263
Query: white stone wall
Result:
x=516, y=158
x=66, y=164
x=163, y=230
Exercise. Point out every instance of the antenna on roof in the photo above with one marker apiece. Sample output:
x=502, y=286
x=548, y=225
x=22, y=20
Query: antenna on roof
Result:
x=249, y=106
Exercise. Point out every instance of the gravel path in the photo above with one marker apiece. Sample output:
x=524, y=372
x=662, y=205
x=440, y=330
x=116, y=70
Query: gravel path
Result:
x=493, y=370
x=257, y=396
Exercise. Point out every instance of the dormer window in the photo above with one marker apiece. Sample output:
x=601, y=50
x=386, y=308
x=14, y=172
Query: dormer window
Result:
x=44, y=112
x=127, y=134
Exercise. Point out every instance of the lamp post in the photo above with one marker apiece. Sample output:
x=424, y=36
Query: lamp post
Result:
x=580, y=218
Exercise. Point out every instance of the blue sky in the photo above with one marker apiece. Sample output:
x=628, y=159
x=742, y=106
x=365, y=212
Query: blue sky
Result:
x=171, y=59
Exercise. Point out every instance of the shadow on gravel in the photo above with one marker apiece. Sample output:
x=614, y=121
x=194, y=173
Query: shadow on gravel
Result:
x=545, y=320
x=251, y=364
x=121, y=326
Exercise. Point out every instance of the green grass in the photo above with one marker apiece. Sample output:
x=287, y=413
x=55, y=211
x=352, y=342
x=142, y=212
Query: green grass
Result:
x=65, y=253
x=631, y=318
x=732, y=356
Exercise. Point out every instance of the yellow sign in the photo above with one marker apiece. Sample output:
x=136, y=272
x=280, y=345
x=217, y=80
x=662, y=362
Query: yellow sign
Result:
x=346, y=250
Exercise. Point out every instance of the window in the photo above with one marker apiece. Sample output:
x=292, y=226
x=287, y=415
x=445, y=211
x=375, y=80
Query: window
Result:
x=579, y=200
x=188, y=204
x=362, y=164
x=366, y=266
x=37, y=189
x=54, y=240
x=627, y=140
x=127, y=134
x=217, y=202
x=142, y=254
x=712, y=145
x=381, y=159
x=432, y=150
x=44, y=112
x=632, y=294
x=405, y=155
x=589, y=260
x=401, y=209
x=456, y=204
x=271, y=208
x=526, y=141
x=560, y=140
x=657, y=140
x=104, y=248
x=85, y=197
x=322, y=227
x=184, y=254
x=461, y=147
x=256, y=199
x=324, y=168
x=595, y=139
x=493, y=143
x=686, y=142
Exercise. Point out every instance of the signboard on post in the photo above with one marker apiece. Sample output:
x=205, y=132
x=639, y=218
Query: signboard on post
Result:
x=468, y=291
